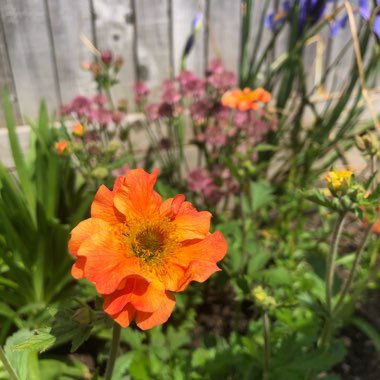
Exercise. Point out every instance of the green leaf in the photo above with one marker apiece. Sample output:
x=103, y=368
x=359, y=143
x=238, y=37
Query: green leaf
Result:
x=277, y=276
x=368, y=329
x=24, y=363
x=39, y=341
x=258, y=261
x=122, y=365
x=262, y=194
x=18, y=156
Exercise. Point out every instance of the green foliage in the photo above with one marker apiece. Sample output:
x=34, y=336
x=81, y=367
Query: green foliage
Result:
x=38, y=205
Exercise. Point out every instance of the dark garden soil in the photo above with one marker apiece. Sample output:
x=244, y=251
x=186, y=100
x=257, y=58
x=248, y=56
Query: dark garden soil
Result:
x=362, y=361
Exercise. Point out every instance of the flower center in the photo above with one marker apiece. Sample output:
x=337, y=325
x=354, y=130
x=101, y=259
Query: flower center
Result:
x=148, y=243
x=151, y=240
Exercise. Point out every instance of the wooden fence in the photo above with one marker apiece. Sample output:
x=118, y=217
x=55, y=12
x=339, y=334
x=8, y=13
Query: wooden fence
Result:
x=41, y=49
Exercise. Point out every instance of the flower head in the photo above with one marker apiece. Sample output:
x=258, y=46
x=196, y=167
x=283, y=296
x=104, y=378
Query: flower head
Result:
x=245, y=99
x=78, y=130
x=365, y=12
x=138, y=249
x=338, y=180
x=61, y=147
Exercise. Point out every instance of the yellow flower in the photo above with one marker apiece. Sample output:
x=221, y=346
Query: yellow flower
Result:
x=262, y=297
x=338, y=180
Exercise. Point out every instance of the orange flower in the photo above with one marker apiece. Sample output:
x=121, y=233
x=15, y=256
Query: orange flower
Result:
x=246, y=99
x=78, y=130
x=61, y=147
x=138, y=249
x=376, y=224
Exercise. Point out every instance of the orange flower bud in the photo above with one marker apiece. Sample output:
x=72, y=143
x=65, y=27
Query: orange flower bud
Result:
x=61, y=147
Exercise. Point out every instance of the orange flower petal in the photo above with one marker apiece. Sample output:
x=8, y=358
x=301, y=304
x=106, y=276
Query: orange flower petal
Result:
x=171, y=206
x=198, y=271
x=190, y=223
x=108, y=261
x=103, y=206
x=193, y=257
x=148, y=320
x=143, y=296
x=126, y=316
x=136, y=198
x=78, y=267
x=83, y=231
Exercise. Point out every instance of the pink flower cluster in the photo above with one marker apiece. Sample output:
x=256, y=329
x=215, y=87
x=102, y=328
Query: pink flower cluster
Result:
x=91, y=110
x=212, y=185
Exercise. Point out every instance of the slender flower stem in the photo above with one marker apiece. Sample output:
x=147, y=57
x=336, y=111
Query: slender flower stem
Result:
x=113, y=351
x=351, y=276
x=332, y=258
x=7, y=365
x=266, y=328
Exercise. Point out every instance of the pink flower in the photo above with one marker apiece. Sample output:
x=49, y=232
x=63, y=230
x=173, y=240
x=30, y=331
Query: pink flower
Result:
x=215, y=136
x=99, y=100
x=140, y=89
x=190, y=84
x=117, y=117
x=151, y=111
x=222, y=81
x=241, y=119
x=218, y=77
x=198, y=179
x=170, y=94
x=80, y=106
x=201, y=181
x=199, y=110
x=102, y=116
x=141, y=92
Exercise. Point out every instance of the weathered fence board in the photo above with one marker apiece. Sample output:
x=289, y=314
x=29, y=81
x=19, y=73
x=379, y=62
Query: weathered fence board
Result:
x=224, y=32
x=69, y=20
x=6, y=76
x=41, y=50
x=30, y=53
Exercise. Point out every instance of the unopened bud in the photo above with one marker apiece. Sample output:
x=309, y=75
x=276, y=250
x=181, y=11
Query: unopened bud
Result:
x=106, y=57
x=100, y=172
x=82, y=316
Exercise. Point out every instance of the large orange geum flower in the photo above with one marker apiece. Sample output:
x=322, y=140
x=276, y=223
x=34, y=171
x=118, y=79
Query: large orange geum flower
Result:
x=138, y=250
x=246, y=99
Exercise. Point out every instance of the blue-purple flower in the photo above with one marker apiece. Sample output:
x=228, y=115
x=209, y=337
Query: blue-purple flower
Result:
x=309, y=13
x=366, y=13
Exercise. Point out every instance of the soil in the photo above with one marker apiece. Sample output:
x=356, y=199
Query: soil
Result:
x=362, y=361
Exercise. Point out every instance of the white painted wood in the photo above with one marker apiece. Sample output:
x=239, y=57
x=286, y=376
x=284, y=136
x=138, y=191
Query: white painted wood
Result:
x=224, y=32
x=153, y=41
x=69, y=19
x=30, y=53
x=6, y=77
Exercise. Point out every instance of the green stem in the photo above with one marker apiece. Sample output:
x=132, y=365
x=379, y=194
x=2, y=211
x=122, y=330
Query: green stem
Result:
x=331, y=260
x=266, y=328
x=7, y=365
x=113, y=351
x=354, y=268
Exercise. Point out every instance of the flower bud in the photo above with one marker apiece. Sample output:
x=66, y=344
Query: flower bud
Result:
x=100, y=172
x=82, y=316
x=368, y=143
x=106, y=57
x=262, y=298
x=78, y=130
x=62, y=147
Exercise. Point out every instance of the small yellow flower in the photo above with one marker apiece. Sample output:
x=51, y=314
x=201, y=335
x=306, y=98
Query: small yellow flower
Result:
x=262, y=297
x=338, y=180
x=78, y=130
